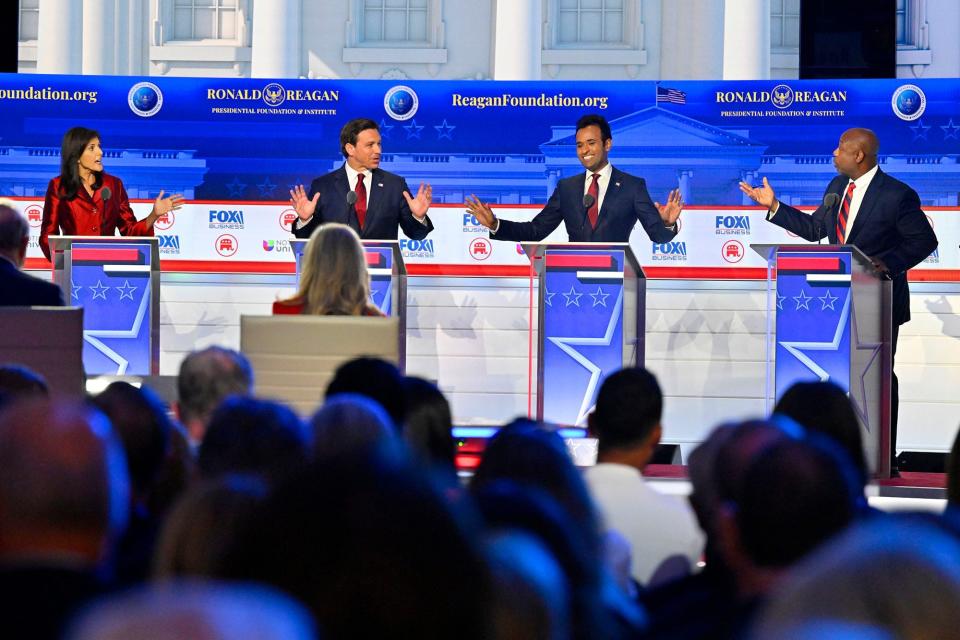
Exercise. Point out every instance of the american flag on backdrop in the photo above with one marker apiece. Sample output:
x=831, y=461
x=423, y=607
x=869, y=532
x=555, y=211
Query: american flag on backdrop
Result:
x=674, y=96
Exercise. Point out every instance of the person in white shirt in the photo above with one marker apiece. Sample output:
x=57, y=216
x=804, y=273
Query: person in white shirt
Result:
x=662, y=530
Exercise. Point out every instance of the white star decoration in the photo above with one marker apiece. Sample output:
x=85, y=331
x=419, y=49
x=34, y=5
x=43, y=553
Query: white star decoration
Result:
x=803, y=301
x=126, y=291
x=573, y=298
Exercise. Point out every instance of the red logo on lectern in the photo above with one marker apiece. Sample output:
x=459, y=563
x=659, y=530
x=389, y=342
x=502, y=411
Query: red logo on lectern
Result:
x=732, y=251
x=480, y=248
x=34, y=214
x=226, y=245
x=165, y=221
x=287, y=218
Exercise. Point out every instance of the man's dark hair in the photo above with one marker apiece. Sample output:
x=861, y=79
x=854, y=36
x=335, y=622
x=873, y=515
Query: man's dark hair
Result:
x=629, y=406
x=795, y=496
x=140, y=420
x=13, y=229
x=350, y=131
x=374, y=378
x=207, y=377
x=596, y=119
x=247, y=435
x=825, y=408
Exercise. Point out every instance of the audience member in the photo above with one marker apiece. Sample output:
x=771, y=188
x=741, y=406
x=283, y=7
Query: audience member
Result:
x=374, y=378
x=20, y=382
x=196, y=534
x=825, y=408
x=176, y=473
x=707, y=605
x=349, y=423
x=334, y=280
x=428, y=425
x=508, y=506
x=953, y=476
x=247, y=435
x=531, y=597
x=898, y=575
x=662, y=531
x=197, y=611
x=63, y=500
x=207, y=377
x=373, y=549
x=140, y=421
x=18, y=289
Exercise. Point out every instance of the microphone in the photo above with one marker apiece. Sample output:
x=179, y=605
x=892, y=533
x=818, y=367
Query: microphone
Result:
x=351, y=202
x=105, y=193
x=829, y=201
x=588, y=201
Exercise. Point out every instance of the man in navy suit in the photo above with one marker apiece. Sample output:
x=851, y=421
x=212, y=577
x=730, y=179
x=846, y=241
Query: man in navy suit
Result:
x=17, y=289
x=874, y=211
x=600, y=205
x=361, y=194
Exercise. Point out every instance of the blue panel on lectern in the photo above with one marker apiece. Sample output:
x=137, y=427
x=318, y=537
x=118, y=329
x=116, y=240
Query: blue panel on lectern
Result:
x=583, y=329
x=380, y=263
x=814, y=308
x=112, y=283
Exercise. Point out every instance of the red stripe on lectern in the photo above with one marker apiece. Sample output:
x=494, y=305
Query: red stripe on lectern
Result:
x=373, y=258
x=706, y=273
x=933, y=275
x=106, y=255
x=580, y=262
x=808, y=264
x=453, y=270
x=217, y=266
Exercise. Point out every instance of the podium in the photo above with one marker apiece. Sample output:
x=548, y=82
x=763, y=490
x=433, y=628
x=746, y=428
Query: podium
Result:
x=591, y=312
x=388, y=279
x=829, y=317
x=117, y=282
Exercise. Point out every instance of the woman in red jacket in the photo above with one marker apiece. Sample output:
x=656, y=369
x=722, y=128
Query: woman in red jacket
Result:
x=334, y=280
x=85, y=201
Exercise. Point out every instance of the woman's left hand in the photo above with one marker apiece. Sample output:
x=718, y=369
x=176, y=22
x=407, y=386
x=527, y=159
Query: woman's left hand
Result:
x=163, y=206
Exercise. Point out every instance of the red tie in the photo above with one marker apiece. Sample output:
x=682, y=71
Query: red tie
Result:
x=361, y=205
x=842, y=215
x=594, y=211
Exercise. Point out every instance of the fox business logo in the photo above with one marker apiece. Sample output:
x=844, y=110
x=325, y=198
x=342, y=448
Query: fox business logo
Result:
x=781, y=96
x=669, y=251
x=732, y=225
x=280, y=246
x=417, y=248
x=169, y=244
x=274, y=95
x=219, y=219
x=933, y=258
x=472, y=225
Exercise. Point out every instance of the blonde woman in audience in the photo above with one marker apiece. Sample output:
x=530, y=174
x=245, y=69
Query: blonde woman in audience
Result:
x=334, y=280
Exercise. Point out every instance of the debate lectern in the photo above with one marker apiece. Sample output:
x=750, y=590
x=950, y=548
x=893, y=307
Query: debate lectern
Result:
x=116, y=279
x=590, y=315
x=830, y=318
x=388, y=279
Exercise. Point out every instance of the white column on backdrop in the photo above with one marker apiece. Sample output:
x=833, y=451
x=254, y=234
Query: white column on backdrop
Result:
x=518, y=40
x=99, y=37
x=746, y=40
x=59, y=36
x=275, y=51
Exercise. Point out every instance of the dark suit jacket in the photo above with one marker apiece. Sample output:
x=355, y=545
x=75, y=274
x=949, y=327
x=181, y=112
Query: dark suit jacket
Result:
x=625, y=202
x=889, y=225
x=18, y=289
x=387, y=209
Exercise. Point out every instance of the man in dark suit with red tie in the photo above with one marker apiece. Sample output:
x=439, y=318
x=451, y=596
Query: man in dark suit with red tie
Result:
x=360, y=194
x=600, y=205
x=869, y=209
x=18, y=289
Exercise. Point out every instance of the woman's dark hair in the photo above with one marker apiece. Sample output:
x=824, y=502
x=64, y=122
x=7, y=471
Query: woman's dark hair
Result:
x=825, y=408
x=74, y=142
x=428, y=426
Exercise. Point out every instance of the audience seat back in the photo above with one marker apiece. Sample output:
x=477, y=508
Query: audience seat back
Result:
x=48, y=340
